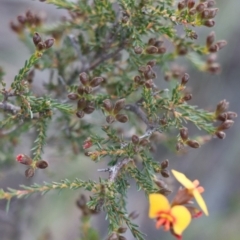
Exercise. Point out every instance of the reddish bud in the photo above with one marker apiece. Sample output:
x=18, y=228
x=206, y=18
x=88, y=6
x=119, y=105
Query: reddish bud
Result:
x=87, y=143
x=193, y=144
x=24, y=159
x=89, y=108
x=214, y=48
x=213, y=12
x=41, y=46
x=181, y=5
x=41, y=164
x=190, y=4
x=29, y=172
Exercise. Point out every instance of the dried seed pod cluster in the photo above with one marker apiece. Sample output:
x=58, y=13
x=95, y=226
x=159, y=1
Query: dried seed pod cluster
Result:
x=42, y=45
x=113, y=111
x=226, y=118
x=29, y=20
x=155, y=46
x=26, y=160
x=184, y=140
x=85, y=106
x=197, y=14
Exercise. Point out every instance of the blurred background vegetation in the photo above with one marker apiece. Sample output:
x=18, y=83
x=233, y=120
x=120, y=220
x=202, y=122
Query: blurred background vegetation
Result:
x=216, y=164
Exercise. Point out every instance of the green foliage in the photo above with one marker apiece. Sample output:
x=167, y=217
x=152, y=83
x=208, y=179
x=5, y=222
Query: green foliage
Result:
x=114, y=48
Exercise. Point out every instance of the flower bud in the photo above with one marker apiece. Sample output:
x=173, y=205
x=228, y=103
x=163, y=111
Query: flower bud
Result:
x=209, y=23
x=24, y=159
x=137, y=79
x=165, y=173
x=81, y=90
x=72, y=96
x=96, y=81
x=110, y=119
x=185, y=78
x=135, y=139
x=210, y=3
x=184, y=133
x=122, y=118
x=152, y=41
x=231, y=115
x=81, y=104
x=213, y=12
x=149, y=83
x=225, y=125
x=41, y=46
x=83, y=77
x=80, y=114
x=210, y=39
x=181, y=5
x=162, y=50
x=138, y=50
x=107, y=105
x=190, y=4
x=144, y=142
x=89, y=108
x=49, y=43
x=220, y=134
x=29, y=16
x=151, y=50
x=205, y=14
x=200, y=7
x=187, y=97
x=119, y=105
x=150, y=75
x=158, y=43
x=222, y=106
x=164, y=164
x=21, y=19
x=122, y=230
x=151, y=63
x=121, y=238
x=214, y=68
x=193, y=144
x=29, y=172
x=36, y=38
x=214, y=48
x=133, y=215
x=221, y=44
x=182, y=50
x=41, y=164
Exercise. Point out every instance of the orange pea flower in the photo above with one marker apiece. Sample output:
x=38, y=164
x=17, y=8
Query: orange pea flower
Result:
x=175, y=218
x=193, y=188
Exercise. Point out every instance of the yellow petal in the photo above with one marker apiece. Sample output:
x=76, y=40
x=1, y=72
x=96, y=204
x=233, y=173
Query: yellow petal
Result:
x=182, y=219
x=157, y=202
x=200, y=201
x=183, y=179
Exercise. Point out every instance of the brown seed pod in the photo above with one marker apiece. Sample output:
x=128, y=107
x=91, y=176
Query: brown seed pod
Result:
x=72, y=96
x=29, y=172
x=110, y=119
x=83, y=77
x=165, y=173
x=210, y=38
x=96, y=81
x=24, y=159
x=193, y=144
x=41, y=164
x=164, y=164
x=80, y=114
x=220, y=134
x=184, y=133
x=185, y=78
x=225, y=125
x=122, y=118
x=119, y=105
x=135, y=139
x=49, y=43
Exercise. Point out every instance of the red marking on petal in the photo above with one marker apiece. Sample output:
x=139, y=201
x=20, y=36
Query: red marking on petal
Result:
x=19, y=157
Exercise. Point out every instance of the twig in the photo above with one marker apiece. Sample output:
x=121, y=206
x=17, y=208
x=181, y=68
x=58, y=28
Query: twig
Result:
x=9, y=107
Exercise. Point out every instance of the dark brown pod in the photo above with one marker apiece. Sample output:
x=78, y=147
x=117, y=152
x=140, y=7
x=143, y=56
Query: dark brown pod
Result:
x=119, y=105
x=24, y=159
x=41, y=164
x=110, y=119
x=80, y=114
x=107, y=105
x=184, y=133
x=193, y=144
x=83, y=77
x=36, y=38
x=96, y=81
x=29, y=172
x=49, y=43
x=220, y=134
x=164, y=164
x=122, y=118
x=72, y=96
x=165, y=173
x=135, y=139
